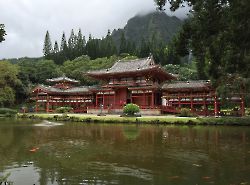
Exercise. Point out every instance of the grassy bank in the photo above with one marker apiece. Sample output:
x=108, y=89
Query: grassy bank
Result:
x=6, y=112
x=89, y=118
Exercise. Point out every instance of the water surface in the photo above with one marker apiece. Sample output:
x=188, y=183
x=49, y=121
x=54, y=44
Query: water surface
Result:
x=78, y=153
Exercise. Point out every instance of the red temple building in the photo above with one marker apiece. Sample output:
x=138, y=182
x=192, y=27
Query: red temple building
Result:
x=198, y=96
x=62, y=93
x=136, y=81
x=139, y=81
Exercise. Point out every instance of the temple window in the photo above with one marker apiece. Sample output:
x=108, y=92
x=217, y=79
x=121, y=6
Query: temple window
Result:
x=140, y=80
x=111, y=81
x=127, y=79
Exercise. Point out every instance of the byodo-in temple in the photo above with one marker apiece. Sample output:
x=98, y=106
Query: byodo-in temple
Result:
x=139, y=81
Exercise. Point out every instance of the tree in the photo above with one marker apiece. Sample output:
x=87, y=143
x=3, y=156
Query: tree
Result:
x=123, y=44
x=36, y=72
x=63, y=50
x=7, y=96
x=144, y=49
x=28, y=68
x=76, y=67
x=71, y=42
x=47, y=69
x=8, y=83
x=184, y=72
x=47, y=47
x=131, y=47
x=93, y=48
x=215, y=35
x=56, y=48
x=57, y=55
x=161, y=3
x=72, y=45
x=107, y=46
x=63, y=42
x=22, y=89
x=170, y=54
x=80, y=44
x=2, y=32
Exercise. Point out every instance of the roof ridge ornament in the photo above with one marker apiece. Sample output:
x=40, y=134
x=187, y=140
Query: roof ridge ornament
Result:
x=62, y=78
x=151, y=58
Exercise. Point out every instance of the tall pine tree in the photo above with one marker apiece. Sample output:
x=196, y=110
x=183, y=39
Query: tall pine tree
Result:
x=110, y=48
x=63, y=49
x=63, y=42
x=80, y=44
x=56, y=48
x=123, y=44
x=56, y=54
x=2, y=32
x=144, y=49
x=71, y=45
x=47, y=47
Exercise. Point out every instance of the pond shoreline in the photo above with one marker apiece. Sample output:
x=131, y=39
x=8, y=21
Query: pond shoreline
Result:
x=168, y=119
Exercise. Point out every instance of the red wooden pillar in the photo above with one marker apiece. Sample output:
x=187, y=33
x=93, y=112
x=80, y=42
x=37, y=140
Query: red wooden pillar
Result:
x=144, y=98
x=179, y=102
x=204, y=106
x=37, y=102
x=56, y=103
x=131, y=96
x=114, y=100
x=192, y=103
x=215, y=106
x=152, y=99
x=103, y=99
x=242, y=106
x=96, y=99
x=47, y=104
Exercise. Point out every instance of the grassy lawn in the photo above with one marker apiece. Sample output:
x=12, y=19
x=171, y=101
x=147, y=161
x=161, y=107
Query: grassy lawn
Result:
x=163, y=119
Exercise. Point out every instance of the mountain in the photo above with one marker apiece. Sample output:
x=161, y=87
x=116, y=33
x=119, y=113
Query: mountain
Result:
x=157, y=26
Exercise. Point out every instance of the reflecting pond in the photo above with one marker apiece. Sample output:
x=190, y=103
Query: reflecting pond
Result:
x=78, y=153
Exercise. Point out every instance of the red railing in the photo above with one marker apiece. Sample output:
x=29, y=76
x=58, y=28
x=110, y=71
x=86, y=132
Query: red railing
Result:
x=121, y=107
x=170, y=109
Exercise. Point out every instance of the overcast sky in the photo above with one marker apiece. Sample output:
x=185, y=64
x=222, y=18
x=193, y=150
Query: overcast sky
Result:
x=26, y=21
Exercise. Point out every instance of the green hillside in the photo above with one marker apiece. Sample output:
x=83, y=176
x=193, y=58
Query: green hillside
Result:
x=157, y=26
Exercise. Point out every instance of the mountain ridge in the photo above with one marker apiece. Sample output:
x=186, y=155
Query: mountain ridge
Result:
x=157, y=26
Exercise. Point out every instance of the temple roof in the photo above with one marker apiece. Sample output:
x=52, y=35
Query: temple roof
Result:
x=73, y=90
x=188, y=85
x=127, y=65
x=132, y=67
x=62, y=79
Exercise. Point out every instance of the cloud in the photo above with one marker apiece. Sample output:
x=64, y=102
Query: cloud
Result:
x=26, y=21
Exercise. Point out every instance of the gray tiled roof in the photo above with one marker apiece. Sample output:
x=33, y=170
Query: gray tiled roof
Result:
x=81, y=89
x=128, y=66
x=187, y=85
x=62, y=79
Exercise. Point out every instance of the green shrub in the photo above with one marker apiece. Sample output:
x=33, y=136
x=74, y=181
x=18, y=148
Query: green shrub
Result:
x=185, y=112
x=247, y=111
x=131, y=109
x=8, y=112
x=64, y=109
x=24, y=115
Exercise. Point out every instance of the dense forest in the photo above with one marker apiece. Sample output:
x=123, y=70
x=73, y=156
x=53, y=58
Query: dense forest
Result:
x=212, y=43
x=217, y=33
x=151, y=33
